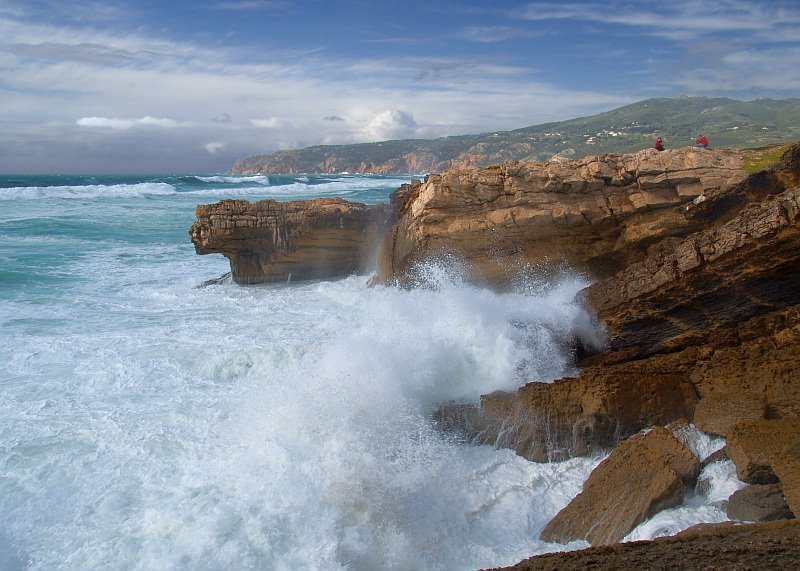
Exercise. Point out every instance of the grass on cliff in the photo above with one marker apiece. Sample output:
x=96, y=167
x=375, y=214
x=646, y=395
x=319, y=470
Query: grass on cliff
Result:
x=762, y=157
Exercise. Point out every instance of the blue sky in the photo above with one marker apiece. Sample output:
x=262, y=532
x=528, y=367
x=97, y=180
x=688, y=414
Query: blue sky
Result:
x=177, y=86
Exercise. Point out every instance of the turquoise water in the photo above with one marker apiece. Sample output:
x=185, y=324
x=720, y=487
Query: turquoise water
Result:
x=150, y=422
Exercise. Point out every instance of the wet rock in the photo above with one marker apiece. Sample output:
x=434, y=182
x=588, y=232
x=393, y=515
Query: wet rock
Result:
x=759, y=502
x=645, y=474
x=719, y=456
x=573, y=416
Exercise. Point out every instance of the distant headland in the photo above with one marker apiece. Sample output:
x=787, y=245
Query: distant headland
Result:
x=726, y=122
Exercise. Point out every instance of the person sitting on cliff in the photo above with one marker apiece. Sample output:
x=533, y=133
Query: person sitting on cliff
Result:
x=701, y=142
x=659, y=145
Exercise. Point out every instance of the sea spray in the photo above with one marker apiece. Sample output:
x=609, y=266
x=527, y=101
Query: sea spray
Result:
x=274, y=427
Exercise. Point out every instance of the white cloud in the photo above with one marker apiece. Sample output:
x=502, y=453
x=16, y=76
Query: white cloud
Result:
x=214, y=147
x=683, y=18
x=269, y=123
x=124, y=124
x=391, y=124
x=489, y=34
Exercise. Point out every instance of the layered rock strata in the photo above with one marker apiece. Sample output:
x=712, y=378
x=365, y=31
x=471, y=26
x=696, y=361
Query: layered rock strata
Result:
x=600, y=212
x=269, y=241
x=714, y=314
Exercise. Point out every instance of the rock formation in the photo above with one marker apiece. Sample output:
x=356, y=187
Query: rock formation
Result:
x=716, y=312
x=598, y=213
x=755, y=445
x=697, y=270
x=271, y=241
x=760, y=502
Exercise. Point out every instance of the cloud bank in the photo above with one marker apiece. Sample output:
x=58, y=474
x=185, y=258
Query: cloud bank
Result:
x=91, y=87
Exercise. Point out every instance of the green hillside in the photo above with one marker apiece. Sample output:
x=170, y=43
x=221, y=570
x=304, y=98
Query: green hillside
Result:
x=726, y=122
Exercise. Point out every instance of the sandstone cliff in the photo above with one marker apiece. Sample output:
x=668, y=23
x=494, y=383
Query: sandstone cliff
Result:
x=599, y=213
x=271, y=241
x=712, y=315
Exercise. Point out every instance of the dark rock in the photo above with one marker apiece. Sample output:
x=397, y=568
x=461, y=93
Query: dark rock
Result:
x=760, y=502
x=719, y=456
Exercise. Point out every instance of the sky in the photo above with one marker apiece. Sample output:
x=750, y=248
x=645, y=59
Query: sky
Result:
x=169, y=86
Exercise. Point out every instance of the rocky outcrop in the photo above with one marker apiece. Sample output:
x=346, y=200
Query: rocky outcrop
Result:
x=772, y=545
x=718, y=412
x=786, y=466
x=271, y=241
x=714, y=314
x=645, y=474
x=600, y=212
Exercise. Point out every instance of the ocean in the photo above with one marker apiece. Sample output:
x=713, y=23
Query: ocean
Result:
x=150, y=420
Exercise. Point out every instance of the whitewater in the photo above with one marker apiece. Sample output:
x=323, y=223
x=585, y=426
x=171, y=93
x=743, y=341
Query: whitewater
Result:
x=151, y=419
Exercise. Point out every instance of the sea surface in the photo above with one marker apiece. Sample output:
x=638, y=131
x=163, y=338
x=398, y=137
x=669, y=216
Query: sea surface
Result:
x=151, y=422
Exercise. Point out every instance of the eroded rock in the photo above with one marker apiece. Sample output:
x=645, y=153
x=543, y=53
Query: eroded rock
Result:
x=600, y=212
x=719, y=411
x=574, y=416
x=269, y=241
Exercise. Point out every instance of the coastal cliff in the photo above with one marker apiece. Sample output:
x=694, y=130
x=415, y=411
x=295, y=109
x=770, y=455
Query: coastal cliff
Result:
x=697, y=284
x=598, y=213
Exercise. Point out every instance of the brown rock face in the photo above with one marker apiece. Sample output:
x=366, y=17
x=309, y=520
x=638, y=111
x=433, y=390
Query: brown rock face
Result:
x=645, y=474
x=573, y=417
x=598, y=212
x=754, y=445
x=715, y=314
x=718, y=412
x=271, y=241
x=786, y=466
x=728, y=547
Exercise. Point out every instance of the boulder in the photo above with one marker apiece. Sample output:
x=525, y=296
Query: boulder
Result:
x=719, y=411
x=644, y=475
x=754, y=445
x=269, y=241
x=759, y=502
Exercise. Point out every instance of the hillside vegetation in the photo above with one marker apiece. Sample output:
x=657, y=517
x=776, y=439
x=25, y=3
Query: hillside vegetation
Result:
x=726, y=122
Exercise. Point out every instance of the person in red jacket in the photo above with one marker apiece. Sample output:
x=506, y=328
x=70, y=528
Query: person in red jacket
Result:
x=659, y=145
x=701, y=142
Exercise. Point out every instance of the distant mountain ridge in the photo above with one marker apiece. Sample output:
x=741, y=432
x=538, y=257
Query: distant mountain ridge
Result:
x=726, y=122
